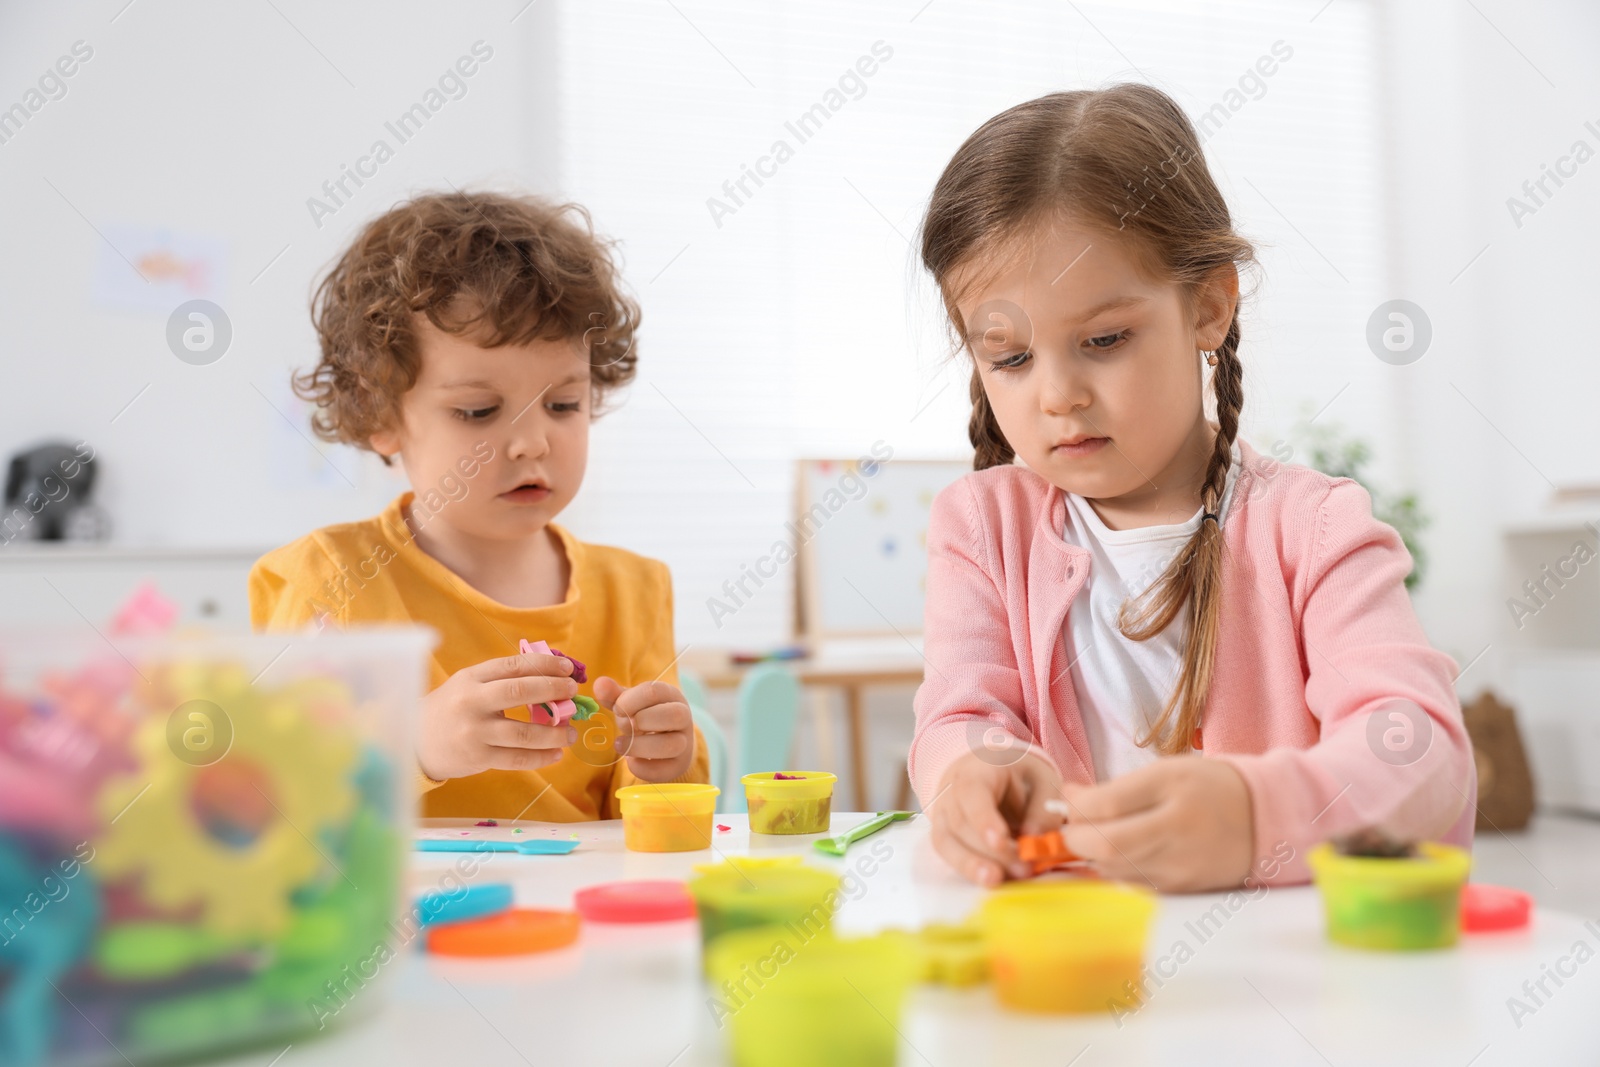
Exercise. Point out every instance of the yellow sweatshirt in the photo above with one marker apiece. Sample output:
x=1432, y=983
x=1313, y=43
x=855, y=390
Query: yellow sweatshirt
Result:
x=616, y=618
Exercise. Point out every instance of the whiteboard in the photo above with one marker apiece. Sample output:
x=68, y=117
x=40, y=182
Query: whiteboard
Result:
x=862, y=531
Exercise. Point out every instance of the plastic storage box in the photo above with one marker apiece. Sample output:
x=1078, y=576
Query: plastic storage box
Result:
x=201, y=837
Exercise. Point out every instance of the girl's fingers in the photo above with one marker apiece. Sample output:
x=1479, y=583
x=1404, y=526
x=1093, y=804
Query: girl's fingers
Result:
x=514, y=692
x=502, y=732
x=1136, y=791
x=1124, y=845
x=531, y=664
x=974, y=867
x=977, y=825
x=1042, y=813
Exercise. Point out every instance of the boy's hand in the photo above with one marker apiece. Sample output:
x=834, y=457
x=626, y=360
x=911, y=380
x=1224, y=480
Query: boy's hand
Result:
x=1181, y=824
x=463, y=729
x=981, y=807
x=654, y=728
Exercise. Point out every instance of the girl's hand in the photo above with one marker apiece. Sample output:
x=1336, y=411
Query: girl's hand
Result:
x=1181, y=824
x=981, y=807
x=464, y=730
x=654, y=728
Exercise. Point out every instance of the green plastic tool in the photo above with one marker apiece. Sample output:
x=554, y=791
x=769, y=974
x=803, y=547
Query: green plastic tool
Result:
x=835, y=846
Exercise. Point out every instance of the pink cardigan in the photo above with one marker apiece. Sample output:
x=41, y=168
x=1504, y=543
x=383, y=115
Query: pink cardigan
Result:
x=1317, y=634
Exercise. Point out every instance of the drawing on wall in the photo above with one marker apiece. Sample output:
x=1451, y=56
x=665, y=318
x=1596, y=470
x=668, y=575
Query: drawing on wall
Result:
x=154, y=269
x=863, y=543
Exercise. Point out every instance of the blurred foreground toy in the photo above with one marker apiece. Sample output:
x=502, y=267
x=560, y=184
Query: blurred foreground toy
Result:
x=239, y=875
x=50, y=925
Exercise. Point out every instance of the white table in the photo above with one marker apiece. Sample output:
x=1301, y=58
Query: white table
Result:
x=1264, y=988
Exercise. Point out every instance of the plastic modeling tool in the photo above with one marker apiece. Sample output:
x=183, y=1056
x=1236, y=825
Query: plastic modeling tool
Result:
x=835, y=846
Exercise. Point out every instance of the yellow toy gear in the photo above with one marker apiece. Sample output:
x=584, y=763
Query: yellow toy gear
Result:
x=293, y=739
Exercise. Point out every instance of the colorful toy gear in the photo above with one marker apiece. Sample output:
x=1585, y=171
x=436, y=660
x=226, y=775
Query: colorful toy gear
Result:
x=155, y=832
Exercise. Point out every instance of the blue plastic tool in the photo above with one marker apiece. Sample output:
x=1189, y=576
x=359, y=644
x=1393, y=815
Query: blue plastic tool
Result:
x=534, y=847
x=468, y=902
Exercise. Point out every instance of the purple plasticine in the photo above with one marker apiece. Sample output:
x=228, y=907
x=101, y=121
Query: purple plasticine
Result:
x=580, y=673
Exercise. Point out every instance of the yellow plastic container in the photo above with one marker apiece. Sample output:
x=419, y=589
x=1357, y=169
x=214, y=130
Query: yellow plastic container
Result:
x=1067, y=946
x=789, y=805
x=739, y=896
x=795, y=1001
x=1394, y=904
x=669, y=817
x=953, y=955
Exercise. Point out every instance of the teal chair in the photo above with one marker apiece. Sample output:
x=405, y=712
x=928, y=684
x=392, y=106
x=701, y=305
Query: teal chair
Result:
x=694, y=691
x=769, y=705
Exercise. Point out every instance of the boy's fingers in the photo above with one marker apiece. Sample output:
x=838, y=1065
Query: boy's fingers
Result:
x=653, y=746
x=606, y=691
x=531, y=664
x=514, y=692
x=522, y=759
x=636, y=699
x=662, y=718
x=510, y=733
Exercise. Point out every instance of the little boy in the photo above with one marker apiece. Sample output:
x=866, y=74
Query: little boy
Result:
x=472, y=336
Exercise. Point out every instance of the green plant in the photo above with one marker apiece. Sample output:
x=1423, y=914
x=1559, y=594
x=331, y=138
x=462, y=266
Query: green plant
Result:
x=1329, y=449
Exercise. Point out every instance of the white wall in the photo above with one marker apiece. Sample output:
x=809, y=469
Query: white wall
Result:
x=1504, y=403
x=222, y=120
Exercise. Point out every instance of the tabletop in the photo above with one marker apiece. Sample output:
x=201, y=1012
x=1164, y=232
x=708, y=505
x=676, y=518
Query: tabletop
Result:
x=1233, y=978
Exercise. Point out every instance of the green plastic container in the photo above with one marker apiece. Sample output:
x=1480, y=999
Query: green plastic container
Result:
x=793, y=1001
x=1392, y=904
x=733, y=897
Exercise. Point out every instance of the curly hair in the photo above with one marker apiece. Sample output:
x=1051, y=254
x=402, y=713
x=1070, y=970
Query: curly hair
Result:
x=502, y=270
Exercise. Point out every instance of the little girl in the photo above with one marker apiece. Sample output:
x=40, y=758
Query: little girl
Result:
x=1204, y=659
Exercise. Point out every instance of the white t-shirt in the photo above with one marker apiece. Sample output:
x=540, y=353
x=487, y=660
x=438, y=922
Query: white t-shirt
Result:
x=1122, y=685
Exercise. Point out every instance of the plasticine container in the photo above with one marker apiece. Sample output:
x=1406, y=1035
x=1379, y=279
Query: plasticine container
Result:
x=1392, y=903
x=736, y=896
x=794, y=805
x=669, y=817
x=1062, y=947
x=953, y=954
x=792, y=1000
x=199, y=810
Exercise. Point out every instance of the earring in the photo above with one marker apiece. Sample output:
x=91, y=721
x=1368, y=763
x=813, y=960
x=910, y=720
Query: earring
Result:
x=1210, y=358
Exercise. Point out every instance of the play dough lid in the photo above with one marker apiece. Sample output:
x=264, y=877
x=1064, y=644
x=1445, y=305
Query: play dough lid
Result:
x=654, y=901
x=1493, y=907
x=511, y=933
